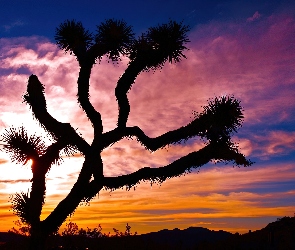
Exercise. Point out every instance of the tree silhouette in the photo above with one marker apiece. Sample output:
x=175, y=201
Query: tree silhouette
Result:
x=113, y=39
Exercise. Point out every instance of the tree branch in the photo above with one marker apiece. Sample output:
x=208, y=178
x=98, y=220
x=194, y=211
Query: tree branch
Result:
x=218, y=151
x=35, y=98
x=38, y=189
x=52, y=154
x=83, y=98
x=40, y=167
x=152, y=144
x=183, y=133
x=123, y=86
x=79, y=192
x=219, y=119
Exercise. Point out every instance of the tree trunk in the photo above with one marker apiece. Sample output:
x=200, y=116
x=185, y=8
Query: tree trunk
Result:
x=38, y=240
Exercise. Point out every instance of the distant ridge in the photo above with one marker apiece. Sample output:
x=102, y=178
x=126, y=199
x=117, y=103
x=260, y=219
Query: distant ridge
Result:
x=179, y=238
x=186, y=238
x=6, y=237
x=276, y=235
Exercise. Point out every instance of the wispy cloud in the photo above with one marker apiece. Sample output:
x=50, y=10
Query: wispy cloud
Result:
x=255, y=16
x=14, y=181
x=215, y=192
x=8, y=27
x=272, y=143
x=2, y=161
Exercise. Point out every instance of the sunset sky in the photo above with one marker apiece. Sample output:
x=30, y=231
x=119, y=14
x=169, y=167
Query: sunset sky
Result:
x=240, y=48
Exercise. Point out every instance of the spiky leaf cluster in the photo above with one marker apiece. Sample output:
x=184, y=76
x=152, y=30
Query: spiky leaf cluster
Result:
x=20, y=146
x=169, y=39
x=21, y=207
x=72, y=36
x=220, y=118
x=68, y=151
x=116, y=37
x=163, y=43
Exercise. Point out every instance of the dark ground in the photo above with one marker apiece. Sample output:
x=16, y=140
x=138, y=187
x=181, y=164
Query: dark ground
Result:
x=276, y=235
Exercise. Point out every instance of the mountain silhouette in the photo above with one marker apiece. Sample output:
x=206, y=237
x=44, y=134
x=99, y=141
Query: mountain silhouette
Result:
x=185, y=238
x=276, y=235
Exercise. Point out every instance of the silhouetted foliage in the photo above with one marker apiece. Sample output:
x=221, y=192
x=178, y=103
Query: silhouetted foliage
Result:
x=72, y=36
x=22, y=147
x=22, y=228
x=116, y=36
x=163, y=43
x=160, y=44
x=72, y=229
x=276, y=235
x=21, y=207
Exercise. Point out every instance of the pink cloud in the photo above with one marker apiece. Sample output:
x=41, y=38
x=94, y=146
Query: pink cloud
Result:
x=255, y=16
x=252, y=61
x=273, y=143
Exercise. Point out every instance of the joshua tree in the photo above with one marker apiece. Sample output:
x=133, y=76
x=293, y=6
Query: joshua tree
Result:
x=219, y=119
